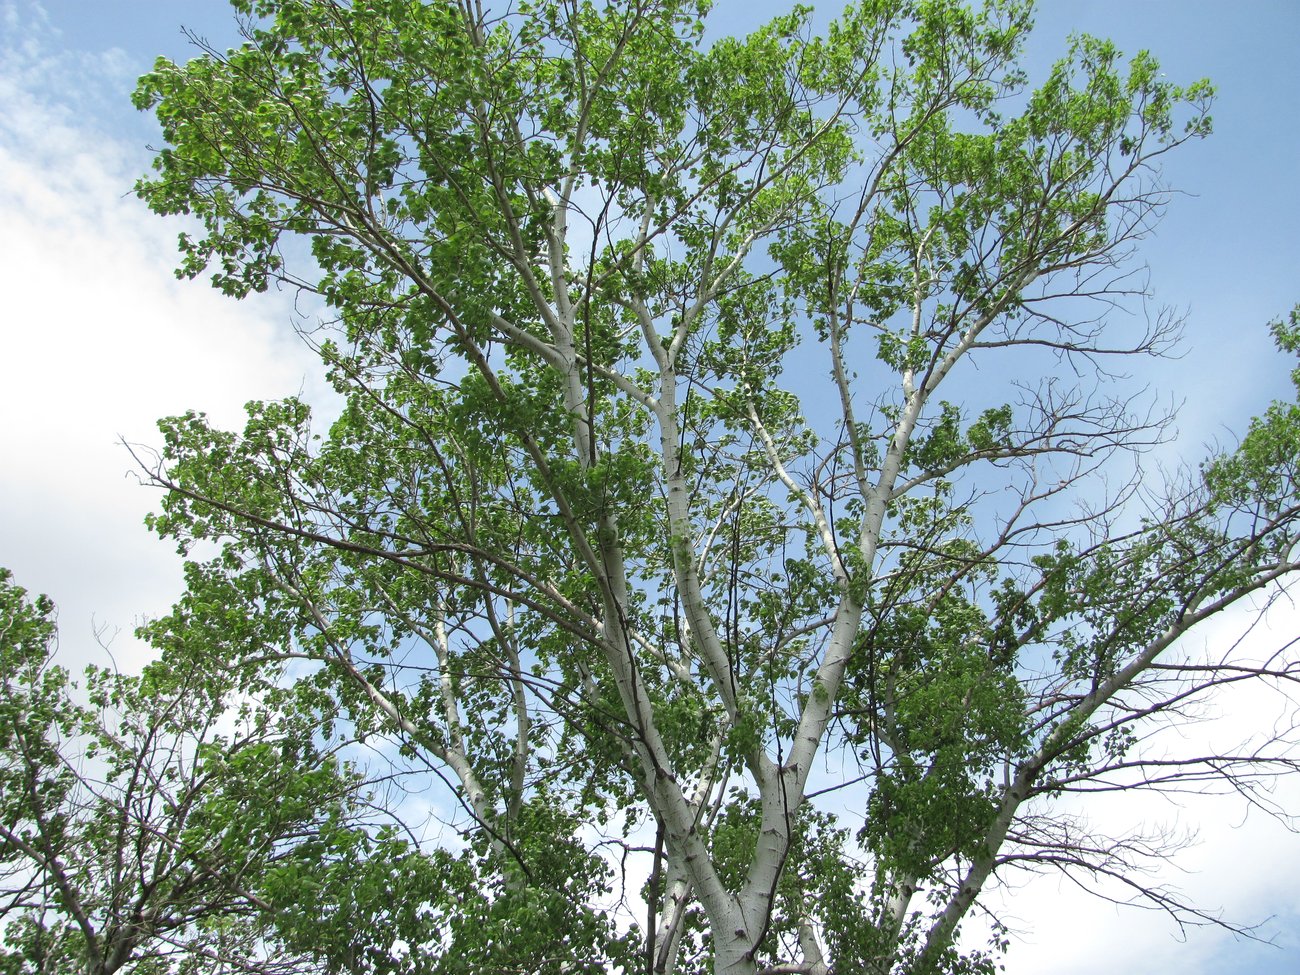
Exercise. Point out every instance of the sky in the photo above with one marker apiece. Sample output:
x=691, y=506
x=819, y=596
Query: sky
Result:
x=98, y=340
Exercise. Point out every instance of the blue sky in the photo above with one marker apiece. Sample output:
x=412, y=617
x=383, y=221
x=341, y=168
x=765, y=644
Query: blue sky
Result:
x=99, y=340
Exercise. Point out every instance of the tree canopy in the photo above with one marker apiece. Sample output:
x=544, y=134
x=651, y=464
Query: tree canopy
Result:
x=737, y=507
x=168, y=822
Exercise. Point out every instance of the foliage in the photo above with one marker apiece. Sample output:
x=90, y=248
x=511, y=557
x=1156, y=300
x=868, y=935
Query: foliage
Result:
x=138, y=832
x=643, y=507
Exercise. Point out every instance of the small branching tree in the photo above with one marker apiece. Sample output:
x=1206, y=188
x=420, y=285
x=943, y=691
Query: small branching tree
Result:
x=666, y=518
x=152, y=823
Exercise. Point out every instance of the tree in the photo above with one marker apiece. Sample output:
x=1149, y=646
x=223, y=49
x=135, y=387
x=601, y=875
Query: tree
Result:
x=664, y=519
x=136, y=834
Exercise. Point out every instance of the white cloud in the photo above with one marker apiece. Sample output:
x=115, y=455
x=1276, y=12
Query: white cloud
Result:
x=99, y=340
